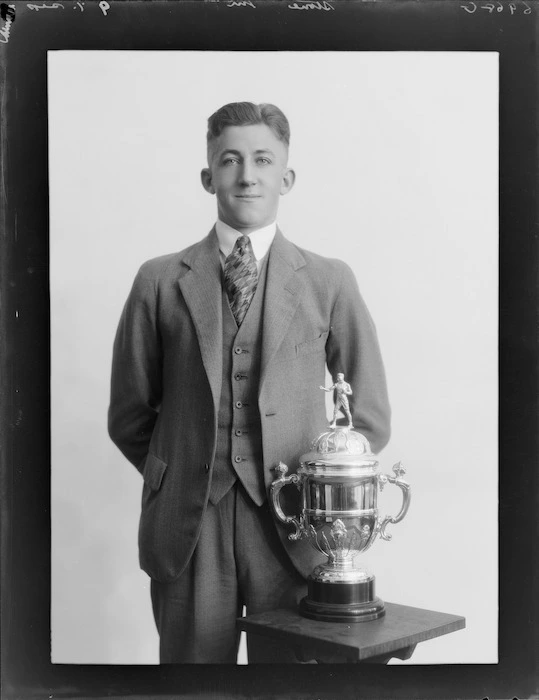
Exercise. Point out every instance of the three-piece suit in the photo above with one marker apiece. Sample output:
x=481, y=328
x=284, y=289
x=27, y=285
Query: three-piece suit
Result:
x=201, y=407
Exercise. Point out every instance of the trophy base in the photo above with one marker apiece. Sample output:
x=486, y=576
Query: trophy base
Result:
x=342, y=602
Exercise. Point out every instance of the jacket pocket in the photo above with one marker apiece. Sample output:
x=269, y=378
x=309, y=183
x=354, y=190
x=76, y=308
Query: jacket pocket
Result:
x=153, y=471
x=314, y=345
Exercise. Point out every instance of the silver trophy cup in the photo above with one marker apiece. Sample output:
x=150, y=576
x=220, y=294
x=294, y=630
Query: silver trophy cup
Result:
x=339, y=483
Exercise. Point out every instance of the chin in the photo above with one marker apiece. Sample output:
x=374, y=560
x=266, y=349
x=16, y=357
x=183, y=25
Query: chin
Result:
x=249, y=223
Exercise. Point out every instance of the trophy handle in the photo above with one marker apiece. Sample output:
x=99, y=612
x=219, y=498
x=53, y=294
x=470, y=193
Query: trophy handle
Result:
x=406, y=496
x=275, y=490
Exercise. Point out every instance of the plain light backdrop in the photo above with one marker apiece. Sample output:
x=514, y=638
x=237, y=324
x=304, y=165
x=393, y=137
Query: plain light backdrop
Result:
x=396, y=157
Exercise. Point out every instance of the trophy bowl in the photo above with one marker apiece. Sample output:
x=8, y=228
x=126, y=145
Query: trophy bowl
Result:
x=339, y=482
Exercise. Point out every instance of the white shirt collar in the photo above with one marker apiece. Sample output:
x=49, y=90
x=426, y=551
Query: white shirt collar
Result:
x=261, y=239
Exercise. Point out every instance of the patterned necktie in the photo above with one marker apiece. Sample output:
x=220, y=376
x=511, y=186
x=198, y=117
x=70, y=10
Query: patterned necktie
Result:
x=241, y=277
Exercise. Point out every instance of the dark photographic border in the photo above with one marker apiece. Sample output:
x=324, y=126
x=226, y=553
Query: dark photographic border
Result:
x=27, y=32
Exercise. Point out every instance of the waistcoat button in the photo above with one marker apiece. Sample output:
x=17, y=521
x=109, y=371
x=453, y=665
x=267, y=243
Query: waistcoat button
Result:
x=237, y=458
x=238, y=404
x=238, y=432
x=238, y=376
x=238, y=350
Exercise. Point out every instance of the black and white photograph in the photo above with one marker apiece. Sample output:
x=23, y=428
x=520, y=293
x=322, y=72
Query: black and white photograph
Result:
x=370, y=210
x=268, y=313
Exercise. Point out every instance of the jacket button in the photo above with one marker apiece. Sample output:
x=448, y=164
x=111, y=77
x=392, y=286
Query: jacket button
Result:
x=238, y=404
x=238, y=350
x=237, y=458
x=207, y=467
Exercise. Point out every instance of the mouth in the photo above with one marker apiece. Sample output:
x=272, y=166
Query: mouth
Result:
x=248, y=196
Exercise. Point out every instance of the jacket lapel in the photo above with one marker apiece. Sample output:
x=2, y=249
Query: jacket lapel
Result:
x=201, y=289
x=282, y=296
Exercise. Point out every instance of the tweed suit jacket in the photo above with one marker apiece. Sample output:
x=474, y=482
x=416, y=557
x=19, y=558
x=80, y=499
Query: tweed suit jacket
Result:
x=166, y=383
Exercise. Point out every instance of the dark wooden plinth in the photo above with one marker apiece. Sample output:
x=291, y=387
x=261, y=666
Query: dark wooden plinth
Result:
x=393, y=636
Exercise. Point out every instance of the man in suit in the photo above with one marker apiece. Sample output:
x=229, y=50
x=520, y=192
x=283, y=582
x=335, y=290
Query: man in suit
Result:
x=210, y=342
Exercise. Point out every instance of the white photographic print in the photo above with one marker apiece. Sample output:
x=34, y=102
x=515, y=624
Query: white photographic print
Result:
x=396, y=163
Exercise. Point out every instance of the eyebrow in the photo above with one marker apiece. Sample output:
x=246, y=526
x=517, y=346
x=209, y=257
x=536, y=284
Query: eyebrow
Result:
x=259, y=151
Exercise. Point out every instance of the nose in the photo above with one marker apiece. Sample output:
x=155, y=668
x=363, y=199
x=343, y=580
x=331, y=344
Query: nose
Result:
x=247, y=175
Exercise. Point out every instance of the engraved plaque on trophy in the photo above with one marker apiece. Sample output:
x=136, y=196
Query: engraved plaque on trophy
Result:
x=339, y=483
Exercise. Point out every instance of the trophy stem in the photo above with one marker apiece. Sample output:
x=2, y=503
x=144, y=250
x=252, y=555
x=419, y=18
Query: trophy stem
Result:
x=342, y=564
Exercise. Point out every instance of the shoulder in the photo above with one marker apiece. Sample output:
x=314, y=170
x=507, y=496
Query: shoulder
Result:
x=327, y=272
x=169, y=266
x=157, y=267
x=311, y=262
x=164, y=265
x=330, y=266
x=157, y=275
x=153, y=274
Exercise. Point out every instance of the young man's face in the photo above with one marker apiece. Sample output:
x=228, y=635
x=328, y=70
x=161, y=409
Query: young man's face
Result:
x=248, y=173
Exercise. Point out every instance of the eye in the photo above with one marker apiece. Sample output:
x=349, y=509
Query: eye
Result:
x=263, y=160
x=230, y=161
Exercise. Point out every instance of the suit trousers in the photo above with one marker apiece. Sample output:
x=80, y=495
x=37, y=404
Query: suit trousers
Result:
x=238, y=560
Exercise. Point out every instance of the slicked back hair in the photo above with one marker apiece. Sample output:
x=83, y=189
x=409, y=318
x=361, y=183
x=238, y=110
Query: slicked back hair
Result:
x=246, y=113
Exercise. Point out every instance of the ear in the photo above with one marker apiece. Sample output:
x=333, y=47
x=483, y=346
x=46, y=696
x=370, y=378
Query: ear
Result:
x=289, y=178
x=205, y=178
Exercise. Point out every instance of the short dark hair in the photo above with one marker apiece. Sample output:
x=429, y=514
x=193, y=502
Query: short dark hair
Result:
x=244, y=113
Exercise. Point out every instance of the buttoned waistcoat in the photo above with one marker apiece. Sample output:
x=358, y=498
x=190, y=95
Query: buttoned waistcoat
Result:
x=166, y=383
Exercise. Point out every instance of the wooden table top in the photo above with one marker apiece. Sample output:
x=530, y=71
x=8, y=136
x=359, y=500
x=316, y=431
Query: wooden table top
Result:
x=401, y=627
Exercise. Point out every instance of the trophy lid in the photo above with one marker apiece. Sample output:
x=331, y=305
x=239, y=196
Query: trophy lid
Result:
x=340, y=446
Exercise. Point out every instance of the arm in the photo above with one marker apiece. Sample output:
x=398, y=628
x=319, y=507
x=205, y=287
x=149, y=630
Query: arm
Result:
x=352, y=348
x=136, y=382
x=330, y=388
